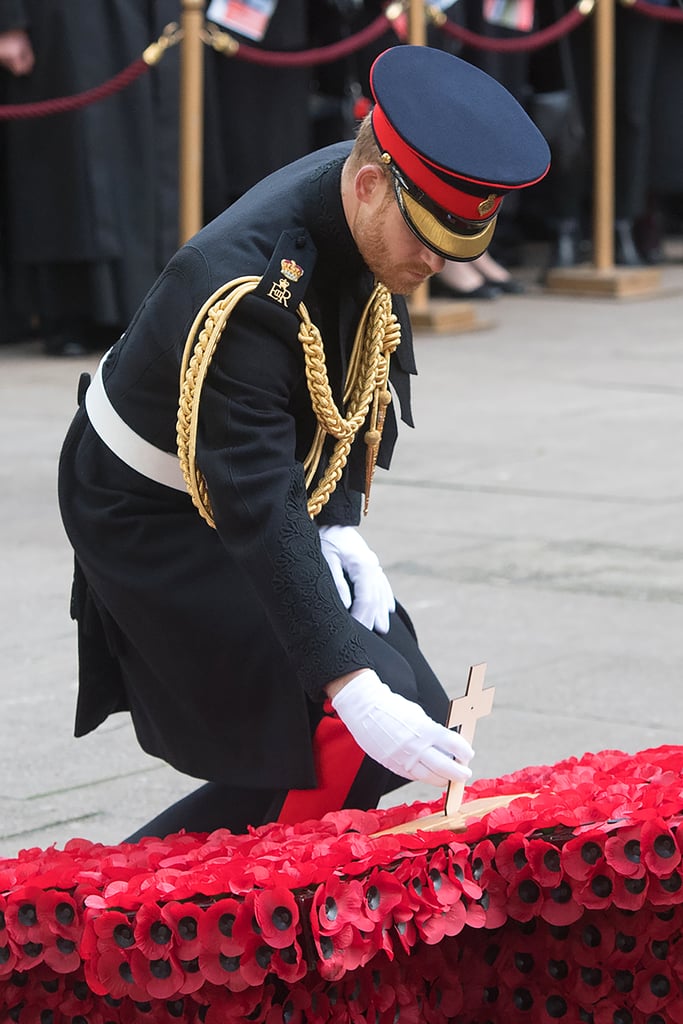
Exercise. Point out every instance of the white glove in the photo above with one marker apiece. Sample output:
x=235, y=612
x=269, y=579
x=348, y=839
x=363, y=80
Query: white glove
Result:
x=397, y=733
x=345, y=551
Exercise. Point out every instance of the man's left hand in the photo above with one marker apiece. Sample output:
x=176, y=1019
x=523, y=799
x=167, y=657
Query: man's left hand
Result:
x=347, y=554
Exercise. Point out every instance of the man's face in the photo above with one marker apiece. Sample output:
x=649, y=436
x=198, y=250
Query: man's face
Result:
x=393, y=253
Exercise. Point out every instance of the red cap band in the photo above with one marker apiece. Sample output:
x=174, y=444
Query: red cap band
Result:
x=460, y=204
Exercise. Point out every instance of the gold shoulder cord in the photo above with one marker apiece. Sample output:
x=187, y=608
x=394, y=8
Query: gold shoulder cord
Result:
x=377, y=336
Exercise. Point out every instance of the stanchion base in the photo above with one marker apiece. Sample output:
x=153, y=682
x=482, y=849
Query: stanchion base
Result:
x=441, y=316
x=614, y=282
x=457, y=822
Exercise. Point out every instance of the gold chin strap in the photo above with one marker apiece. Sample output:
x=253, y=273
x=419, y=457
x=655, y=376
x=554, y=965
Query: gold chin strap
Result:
x=377, y=336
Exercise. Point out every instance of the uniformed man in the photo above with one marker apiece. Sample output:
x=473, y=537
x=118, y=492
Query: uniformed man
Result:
x=223, y=594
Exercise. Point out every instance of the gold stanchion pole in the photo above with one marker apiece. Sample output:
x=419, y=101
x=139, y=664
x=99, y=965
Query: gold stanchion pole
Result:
x=417, y=31
x=417, y=24
x=191, y=119
x=603, y=164
x=603, y=278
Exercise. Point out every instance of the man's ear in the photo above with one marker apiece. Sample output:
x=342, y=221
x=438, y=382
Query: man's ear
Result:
x=370, y=184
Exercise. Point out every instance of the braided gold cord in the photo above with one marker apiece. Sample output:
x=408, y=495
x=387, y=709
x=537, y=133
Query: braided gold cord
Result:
x=194, y=368
x=382, y=399
x=377, y=336
x=336, y=429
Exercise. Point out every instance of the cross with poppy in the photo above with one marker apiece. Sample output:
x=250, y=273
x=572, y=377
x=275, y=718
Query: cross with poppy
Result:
x=465, y=712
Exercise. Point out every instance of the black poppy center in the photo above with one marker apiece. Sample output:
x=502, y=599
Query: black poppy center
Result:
x=522, y=999
x=623, y=981
x=632, y=851
x=123, y=936
x=263, y=956
x=160, y=969
x=187, y=928
x=562, y=893
x=373, y=897
x=556, y=1007
x=524, y=962
x=591, y=936
x=125, y=972
x=519, y=859
x=282, y=918
x=625, y=943
x=590, y=852
x=558, y=969
x=591, y=976
x=288, y=955
x=225, y=923
x=601, y=886
x=160, y=933
x=660, y=986
x=26, y=915
x=529, y=891
x=229, y=963
x=664, y=847
x=64, y=913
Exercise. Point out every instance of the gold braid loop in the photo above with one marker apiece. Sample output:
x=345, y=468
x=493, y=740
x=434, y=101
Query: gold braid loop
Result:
x=193, y=370
x=377, y=336
x=389, y=341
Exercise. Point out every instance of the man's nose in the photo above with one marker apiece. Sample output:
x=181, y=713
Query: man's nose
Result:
x=434, y=262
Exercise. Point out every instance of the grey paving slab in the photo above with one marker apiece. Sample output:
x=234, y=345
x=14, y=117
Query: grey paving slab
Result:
x=533, y=520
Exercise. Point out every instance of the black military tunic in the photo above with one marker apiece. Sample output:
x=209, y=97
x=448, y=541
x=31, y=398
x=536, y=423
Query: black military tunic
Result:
x=220, y=642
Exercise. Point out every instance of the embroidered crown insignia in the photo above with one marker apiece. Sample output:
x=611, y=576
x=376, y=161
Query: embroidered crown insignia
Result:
x=291, y=270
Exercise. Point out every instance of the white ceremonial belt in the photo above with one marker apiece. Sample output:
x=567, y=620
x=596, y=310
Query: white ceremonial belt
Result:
x=140, y=455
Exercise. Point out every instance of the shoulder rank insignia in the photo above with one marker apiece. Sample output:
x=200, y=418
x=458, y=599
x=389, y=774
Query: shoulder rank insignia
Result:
x=288, y=273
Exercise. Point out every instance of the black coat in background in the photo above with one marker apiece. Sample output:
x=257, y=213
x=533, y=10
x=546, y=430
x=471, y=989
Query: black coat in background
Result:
x=666, y=157
x=91, y=194
x=220, y=641
x=259, y=117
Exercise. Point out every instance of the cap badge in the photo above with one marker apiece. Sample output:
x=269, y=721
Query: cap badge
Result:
x=486, y=205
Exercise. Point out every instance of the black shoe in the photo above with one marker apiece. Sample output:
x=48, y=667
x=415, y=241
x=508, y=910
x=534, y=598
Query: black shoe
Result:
x=440, y=289
x=566, y=249
x=647, y=234
x=79, y=339
x=625, y=252
x=511, y=286
x=63, y=343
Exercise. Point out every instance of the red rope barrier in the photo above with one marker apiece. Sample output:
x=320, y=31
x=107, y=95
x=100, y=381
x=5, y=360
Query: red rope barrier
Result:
x=318, y=55
x=62, y=104
x=657, y=11
x=533, y=41
x=327, y=54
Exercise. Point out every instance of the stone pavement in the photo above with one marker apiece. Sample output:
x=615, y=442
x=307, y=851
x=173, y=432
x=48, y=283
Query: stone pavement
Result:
x=533, y=520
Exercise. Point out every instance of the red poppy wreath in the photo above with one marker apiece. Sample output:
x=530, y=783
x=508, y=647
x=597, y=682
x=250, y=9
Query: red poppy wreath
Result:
x=566, y=905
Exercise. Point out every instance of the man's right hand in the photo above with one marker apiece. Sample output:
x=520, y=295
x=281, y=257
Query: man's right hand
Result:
x=16, y=52
x=398, y=734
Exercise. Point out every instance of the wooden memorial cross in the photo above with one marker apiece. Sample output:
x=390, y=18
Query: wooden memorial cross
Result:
x=464, y=712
